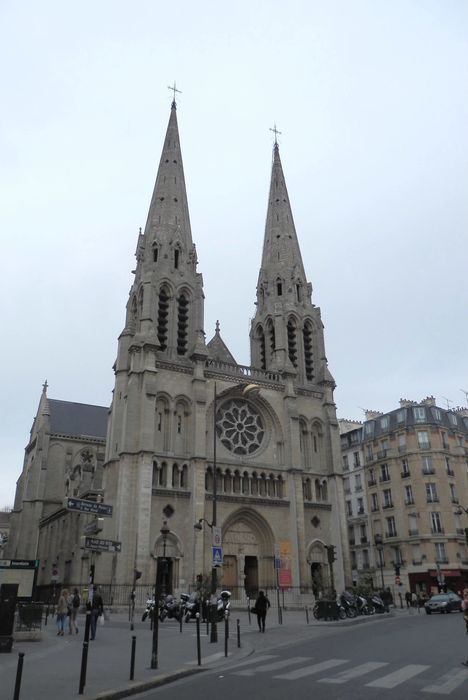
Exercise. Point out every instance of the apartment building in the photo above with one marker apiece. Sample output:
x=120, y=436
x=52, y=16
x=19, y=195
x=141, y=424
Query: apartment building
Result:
x=406, y=495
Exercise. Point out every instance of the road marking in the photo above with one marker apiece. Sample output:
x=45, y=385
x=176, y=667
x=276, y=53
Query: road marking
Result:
x=448, y=682
x=254, y=660
x=310, y=670
x=393, y=679
x=273, y=666
x=355, y=672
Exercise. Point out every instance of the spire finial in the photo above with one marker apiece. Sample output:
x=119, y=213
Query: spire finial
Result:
x=276, y=132
x=174, y=90
x=217, y=327
x=44, y=387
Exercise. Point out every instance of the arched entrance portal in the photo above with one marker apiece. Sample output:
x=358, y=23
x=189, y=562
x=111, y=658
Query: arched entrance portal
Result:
x=248, y=547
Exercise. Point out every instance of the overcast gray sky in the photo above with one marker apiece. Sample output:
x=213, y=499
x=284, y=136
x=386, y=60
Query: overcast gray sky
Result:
x=371, y=99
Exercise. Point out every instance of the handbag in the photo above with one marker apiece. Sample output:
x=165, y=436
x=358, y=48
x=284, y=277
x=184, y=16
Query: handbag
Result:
x=101, y=620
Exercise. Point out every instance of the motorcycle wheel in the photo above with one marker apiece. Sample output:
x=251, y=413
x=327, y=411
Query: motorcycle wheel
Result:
x=144, y=616
x=315, y=612
x=187, y=617
x=342, y=613
x=370, y=610
x=351, y=611
x=162, y=615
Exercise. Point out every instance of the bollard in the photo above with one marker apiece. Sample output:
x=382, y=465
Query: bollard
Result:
x=226, y=632
x=132, y=658
x=238, y=634
x=307, y=614
x=19, y=673
x=84, y=654
x=248, y=611
x=198, y=639
x=46, y=615
x=181, y=618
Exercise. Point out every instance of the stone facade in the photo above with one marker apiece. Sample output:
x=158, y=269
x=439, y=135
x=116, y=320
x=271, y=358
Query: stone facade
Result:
x=193, y=437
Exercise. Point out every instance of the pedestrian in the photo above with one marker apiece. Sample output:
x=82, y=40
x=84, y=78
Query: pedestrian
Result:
x=97, y=609
x=408, y=599
x=261, y=606
x=73, y=607
x=62, y=611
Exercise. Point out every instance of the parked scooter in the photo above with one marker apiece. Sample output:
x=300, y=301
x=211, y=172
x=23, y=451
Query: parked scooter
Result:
x=149, y=610
x=191, y=605
x=348, y=603
x=378, y=603
x=363, y=606
x=170, y=608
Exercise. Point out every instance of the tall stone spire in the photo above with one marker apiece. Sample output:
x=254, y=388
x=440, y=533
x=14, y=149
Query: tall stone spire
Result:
x=168, y=216
x=165, y=307
x=287, y=332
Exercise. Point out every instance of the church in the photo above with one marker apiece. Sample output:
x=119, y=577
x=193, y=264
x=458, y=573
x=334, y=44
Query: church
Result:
x=204, y=461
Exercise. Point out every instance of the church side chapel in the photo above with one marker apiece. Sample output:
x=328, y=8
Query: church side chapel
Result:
x=192, y=439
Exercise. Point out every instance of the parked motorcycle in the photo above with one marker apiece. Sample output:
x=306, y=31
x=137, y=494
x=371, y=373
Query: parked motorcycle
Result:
x=363, y=606
x=348, y=603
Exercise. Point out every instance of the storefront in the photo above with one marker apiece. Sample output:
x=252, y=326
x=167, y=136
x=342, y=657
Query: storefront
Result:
x=435, y=580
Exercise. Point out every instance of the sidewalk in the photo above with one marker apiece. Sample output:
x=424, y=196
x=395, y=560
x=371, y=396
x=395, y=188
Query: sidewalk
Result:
x=51, y=669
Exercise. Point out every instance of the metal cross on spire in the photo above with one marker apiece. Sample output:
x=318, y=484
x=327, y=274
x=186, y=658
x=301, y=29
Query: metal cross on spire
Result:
x=174, y=90
x=276, y=132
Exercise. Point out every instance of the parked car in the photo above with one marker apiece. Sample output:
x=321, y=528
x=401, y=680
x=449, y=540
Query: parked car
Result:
x=443, y=603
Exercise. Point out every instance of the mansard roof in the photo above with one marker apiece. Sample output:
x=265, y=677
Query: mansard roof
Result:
x=78, y=419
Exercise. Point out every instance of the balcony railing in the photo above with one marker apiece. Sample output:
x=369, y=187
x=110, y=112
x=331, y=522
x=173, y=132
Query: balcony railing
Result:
x=405, y=475
x=391, y=534
x=361, y=511
x=428, y=470
x=372, y=482
x=352, y=542
x=444, y=560
x=432, y=499
x=460, y=531
x=450, y=472
x=374, y=509
x=409, y=502
x=369, y=458
x=387, y=505
x=413, y=532
x=381, y=454
x=364, y=540
x=455, y=499
x=402, y=448
x=437, y=530
x=385, y=477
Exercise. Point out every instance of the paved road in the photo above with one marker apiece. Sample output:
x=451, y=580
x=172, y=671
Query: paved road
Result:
x=414, y=656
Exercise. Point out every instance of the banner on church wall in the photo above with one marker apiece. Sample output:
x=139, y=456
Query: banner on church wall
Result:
x=285, y=571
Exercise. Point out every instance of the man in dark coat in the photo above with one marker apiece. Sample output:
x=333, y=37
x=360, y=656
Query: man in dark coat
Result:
x=261, y=606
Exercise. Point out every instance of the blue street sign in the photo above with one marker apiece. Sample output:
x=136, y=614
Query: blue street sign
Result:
x=217, y=556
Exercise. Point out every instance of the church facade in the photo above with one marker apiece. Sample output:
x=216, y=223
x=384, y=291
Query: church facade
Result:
x=194, y=438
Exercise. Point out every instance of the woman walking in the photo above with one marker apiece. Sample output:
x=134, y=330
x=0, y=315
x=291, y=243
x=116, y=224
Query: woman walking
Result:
x=261, y=606
x=74, y=603
x=62, y=611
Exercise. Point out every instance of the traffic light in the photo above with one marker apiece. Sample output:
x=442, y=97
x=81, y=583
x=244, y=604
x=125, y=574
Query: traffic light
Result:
x=331, y=552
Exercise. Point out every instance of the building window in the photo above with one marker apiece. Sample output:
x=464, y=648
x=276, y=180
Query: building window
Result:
x=401, y=416
x=370, y=453
x=402, y=442
x=405, y=468
x=450, y=471
x=372, y=481
x=384, y=472
x=453, y=493
x=357, y=482
x=349, y=509
x=419, y=413
x=437, y=414
x=346, y=487
x=360, y=506
x=384, y=423
x=427, y=467
x=441, y=555
x=345, y=463
x=453, y=419
x=436, y=523
x=431, y=493
x=387, y=498
x=374, y=502
x=409, y=500
x=391, y=527
x=369, y=428
x=445, y=445
x=357, y=461
x=423, y=439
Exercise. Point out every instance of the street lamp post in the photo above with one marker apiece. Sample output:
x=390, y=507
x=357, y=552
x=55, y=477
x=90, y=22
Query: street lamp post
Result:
x=378, y=540
x=214, y=572
x=154, y=649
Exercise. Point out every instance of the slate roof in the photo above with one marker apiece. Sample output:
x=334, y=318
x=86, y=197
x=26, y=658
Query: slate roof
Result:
x=68, y=418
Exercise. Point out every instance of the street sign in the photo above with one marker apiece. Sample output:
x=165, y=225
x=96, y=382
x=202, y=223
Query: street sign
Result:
x=92, y=507
x=55, y=574
x=217, y=556
x=216, y=536
x=277, y=556
x=99, y=545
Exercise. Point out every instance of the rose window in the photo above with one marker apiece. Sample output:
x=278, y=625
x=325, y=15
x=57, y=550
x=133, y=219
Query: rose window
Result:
x=239, y=427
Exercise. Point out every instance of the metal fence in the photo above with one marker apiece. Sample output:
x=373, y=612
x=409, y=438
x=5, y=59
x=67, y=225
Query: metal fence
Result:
x=119, y=595
x=29, y=617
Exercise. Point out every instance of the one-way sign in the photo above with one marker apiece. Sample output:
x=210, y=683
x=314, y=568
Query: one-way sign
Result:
x=102, y=545
x=92, y=507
